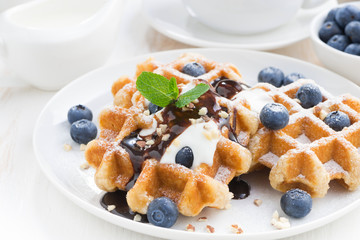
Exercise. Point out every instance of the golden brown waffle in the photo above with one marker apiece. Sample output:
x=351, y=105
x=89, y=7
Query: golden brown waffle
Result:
x=205, y=185
x=307, y=153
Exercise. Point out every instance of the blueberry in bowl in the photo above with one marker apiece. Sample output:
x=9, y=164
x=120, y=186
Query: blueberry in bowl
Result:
x=334, y=48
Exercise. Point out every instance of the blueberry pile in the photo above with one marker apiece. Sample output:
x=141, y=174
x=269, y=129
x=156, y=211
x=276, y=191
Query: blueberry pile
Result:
x=82, y=129
x=277, y=78
x=341, y=29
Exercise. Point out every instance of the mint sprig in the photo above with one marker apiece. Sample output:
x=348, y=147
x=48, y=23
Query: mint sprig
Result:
x=162, y=92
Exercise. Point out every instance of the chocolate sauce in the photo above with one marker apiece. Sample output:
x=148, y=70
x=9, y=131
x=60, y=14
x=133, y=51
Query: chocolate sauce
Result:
x=226, y=87
x=177, y=121
x=122, y=209
x=239, y=188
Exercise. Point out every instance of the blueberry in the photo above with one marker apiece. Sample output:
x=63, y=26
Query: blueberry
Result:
x=194, y=69
x=347, y=14
x=339, y=42
x=337, y=120
x=309, y=95
x=154, y=108
x=296, y=203
x=271, y=75
x=274, y=116
x=79, y=112
x=185, y=157
x=328, y=30
x=352, y=30
x=292, y=77
x=331, y=15
x=353, y=48
x=83, y=131
x=162, y=212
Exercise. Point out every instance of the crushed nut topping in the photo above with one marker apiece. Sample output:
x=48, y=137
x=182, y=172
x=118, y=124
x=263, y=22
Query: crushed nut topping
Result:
x=137, y=218
x=279, y=222
x=159, y=116
x=158, y=131
x=82, y=147
x=165, y=137
x=203, y=111
x=323, y=114
x=150, y=142
x=210, y=229
x=163, y=127
x=84, y=166
x=147, y=112
x=236, y=229
x=141, y=144
x=223, y=114
x=196, y=101
x=111, y=207
x=67, y=147
x=190, y=228
x=192, y=121
x=202, y=219
x=258, y=202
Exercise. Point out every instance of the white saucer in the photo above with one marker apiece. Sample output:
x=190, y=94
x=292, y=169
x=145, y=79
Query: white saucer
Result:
x=171, y=19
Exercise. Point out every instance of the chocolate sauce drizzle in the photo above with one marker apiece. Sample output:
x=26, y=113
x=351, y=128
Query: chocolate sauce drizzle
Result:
x=122, y=209
x=240, y=188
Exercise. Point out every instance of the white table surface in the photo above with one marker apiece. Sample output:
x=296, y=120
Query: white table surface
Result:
x=30, y=206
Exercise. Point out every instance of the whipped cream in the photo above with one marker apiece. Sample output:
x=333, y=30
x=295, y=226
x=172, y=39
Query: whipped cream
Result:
x=256, y=97
x=202, y=138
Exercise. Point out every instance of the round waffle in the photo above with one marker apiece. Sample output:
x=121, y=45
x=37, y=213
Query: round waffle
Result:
x=192, y=189
x=307, y=153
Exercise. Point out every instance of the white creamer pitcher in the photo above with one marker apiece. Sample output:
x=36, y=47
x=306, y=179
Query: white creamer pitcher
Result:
x=48, y=43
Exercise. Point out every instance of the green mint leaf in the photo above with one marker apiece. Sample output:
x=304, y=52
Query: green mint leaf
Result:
x=191, y=95
x=156, y=88
x=173, y=88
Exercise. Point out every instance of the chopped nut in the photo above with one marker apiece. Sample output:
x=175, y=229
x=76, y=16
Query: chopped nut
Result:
x=147, y=112
x=210, y=229
x=67, y=147
x=163, y=127
x=297, y=100
x=141, y=143
x=323, y=114
x=159, y=116
x=207, y=126
x=176, y=142
x=165, y=137
x=279, y=222
x=202, y=219
x=203, y=111
x=82, y=147
x=150, y=142
x=111, y=207
x=236, y=229
x=223, y=114
x=190, y=105
x=258, y=202
x=84, y=166
x=192, y=121
x=184, y=109
x=137, y=218
x=206, y=118
x=190, y=228
x=159, y=131
x=196, y=101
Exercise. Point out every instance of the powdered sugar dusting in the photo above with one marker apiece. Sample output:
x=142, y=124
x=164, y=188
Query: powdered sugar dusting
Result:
x=303, y=139
x=269, y=158
x=333, y=167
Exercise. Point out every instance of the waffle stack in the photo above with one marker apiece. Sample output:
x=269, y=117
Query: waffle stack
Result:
x=307, y=153
x=191, y=189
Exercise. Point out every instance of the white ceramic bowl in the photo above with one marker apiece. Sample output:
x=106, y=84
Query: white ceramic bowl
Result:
x=343, y=63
